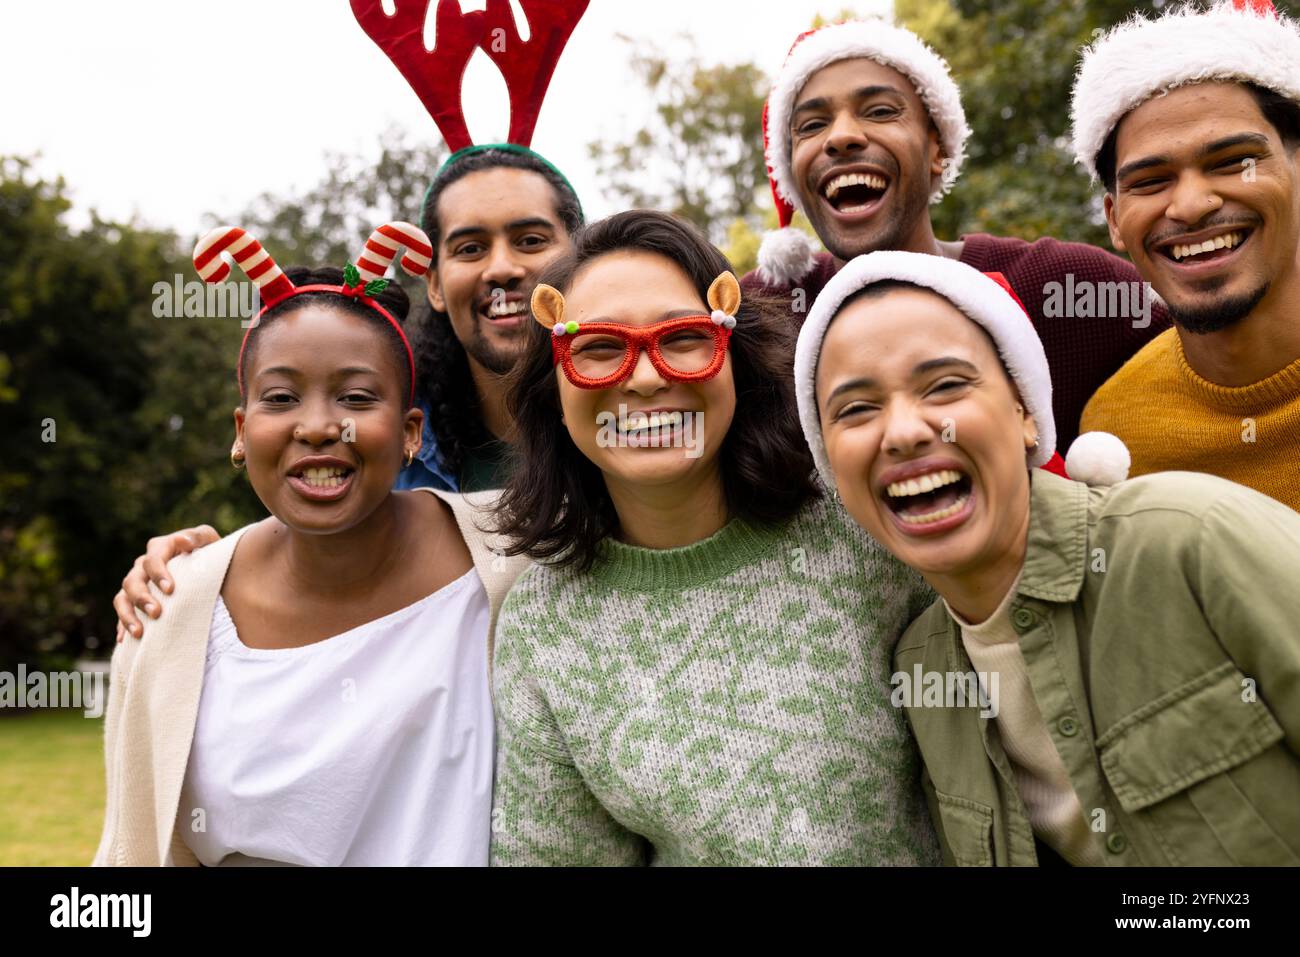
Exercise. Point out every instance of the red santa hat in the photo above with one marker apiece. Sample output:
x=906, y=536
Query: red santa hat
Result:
x=1097, y=458
x=1234, y=40
x=785, y=256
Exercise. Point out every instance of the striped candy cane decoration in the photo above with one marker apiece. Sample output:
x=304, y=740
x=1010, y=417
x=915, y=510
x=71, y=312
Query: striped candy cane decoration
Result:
x=382, y=247
x=272, y=284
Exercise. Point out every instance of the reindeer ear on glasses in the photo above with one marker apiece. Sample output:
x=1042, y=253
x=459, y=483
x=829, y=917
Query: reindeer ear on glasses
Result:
x=724, y=299
x=548, y=306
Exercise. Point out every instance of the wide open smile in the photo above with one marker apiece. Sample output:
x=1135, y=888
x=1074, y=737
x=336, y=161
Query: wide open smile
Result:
x=931, y=502
x=854, y=193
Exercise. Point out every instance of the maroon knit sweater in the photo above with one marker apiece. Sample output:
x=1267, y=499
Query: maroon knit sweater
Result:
x=1082, y=351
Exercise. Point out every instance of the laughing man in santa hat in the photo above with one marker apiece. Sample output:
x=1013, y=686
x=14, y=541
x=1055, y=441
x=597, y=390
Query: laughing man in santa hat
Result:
x=865, y=129
x=1192, y=123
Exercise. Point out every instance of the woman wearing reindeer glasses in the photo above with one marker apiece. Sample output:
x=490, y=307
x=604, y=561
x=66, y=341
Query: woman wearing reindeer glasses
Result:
x=318, y=691
x=697, y=671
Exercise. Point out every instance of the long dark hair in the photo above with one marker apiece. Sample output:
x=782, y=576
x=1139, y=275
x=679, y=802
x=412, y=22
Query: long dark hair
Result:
x=443, y=381
x=555, y=506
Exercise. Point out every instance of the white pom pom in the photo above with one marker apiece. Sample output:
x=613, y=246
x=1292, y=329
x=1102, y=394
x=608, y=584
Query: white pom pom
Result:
x=1098, y=458
x=785, y=257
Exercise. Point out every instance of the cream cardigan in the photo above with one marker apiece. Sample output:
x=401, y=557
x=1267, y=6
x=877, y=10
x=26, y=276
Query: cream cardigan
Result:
x=155, y=684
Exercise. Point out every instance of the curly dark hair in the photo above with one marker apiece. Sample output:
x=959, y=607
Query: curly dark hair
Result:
x=393, y=299
x=555, y=506
x=442, y=375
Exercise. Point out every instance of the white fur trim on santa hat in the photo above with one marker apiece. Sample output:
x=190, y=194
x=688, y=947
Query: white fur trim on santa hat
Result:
x=887, y=44
x=785, y=257
x=1142, y=58
x=974, y=293
x=1098, y=458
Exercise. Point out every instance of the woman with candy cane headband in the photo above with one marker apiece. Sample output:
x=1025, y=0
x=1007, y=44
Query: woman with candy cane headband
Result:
x=694, y=673
x=318, y=691
x=496, y=214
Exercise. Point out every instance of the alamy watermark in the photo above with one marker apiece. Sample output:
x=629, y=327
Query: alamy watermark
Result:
x=195, y=299
x=55, y=689
x=129, y=911
x=945, y=689
x=663, y=429
x=1099, y=300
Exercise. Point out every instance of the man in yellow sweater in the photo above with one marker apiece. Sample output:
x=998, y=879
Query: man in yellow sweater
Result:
x=1192, y=123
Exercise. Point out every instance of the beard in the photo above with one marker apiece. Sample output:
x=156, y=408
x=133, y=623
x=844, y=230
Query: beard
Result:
x=496, y=360
x=1217, y=314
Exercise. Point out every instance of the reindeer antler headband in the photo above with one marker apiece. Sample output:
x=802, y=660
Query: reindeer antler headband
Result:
x=362, y=280
x=438, y=75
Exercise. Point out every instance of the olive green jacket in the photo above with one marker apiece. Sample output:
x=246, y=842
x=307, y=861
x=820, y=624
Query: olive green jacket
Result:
x=1160, y=625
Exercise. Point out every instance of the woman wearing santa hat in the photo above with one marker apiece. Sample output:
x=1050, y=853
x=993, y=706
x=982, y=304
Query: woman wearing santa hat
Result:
x=1133, y=642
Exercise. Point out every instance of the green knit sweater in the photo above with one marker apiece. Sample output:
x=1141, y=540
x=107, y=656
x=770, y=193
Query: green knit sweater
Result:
x=723, y=703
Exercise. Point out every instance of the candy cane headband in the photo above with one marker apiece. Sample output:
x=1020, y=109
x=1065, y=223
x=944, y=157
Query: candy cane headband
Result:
x=362, y=280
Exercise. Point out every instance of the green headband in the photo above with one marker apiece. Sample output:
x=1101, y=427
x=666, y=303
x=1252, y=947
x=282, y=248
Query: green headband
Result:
x=505, y=148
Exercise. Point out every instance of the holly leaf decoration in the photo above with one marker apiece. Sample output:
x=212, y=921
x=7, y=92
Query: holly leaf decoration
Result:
x=351, y=275
x=376, y=286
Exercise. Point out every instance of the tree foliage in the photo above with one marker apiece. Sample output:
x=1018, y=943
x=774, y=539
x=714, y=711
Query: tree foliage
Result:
x=116, y=423
x=701, y=157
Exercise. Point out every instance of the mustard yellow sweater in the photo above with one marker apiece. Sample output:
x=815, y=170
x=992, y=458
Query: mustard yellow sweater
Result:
x=1172, y=419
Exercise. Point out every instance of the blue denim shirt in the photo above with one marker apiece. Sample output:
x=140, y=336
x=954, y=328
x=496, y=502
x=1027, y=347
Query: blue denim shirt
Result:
x=427, y=470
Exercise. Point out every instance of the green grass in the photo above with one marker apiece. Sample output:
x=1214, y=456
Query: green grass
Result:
x=51, y=788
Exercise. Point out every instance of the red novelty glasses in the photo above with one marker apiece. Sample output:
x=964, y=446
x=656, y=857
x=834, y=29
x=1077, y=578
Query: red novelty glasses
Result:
x=602, y=354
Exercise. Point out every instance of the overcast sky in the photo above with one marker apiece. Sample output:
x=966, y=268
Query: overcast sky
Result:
x=137, y=104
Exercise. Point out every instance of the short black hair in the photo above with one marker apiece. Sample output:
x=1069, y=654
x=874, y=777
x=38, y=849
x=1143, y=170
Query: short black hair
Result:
x=1282, y=112
x=393, y=299
x=556, y=506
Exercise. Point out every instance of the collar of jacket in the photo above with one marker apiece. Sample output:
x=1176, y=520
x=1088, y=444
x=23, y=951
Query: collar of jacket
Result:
x=1056, y=558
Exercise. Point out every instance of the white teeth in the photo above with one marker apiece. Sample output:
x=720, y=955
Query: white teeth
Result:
x=926, y=483
x=853, y=179
x=513, y=308
x=323, y=478
x=935, y=516
x=640, y=422
x=1226, y=241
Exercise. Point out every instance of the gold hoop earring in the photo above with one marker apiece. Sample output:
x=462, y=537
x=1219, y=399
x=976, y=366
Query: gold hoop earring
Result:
x=237, y=459
x=410, y=457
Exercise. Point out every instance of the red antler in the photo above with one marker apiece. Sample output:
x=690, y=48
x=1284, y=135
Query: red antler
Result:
x=529, y=65
x=436, y=76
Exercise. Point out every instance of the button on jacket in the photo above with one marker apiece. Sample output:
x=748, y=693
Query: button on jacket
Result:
x=1159, y=621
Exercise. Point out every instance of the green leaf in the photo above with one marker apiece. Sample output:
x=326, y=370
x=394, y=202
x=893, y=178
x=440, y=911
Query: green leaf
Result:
x=376, y=286
x=351, y=275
